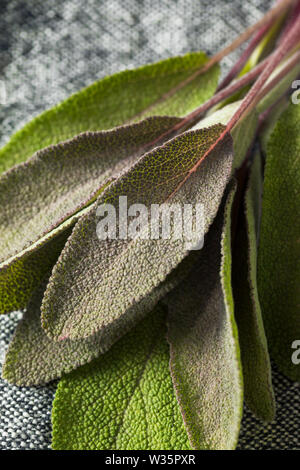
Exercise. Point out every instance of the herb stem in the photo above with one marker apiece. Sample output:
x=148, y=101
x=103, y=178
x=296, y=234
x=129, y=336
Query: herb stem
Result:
x=268, y=18
x=254, y=95
x=290, y=64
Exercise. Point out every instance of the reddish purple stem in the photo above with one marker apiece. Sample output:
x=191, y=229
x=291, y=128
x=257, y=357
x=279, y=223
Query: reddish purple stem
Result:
x=291, y=21
x=291, y=39
x=198, y=113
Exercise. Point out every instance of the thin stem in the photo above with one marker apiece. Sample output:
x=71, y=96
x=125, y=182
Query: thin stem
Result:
x=294, y=60
x=288, y=43
x=238, y=115
x=269, y=17
x=236, y=69
x=291, y=20
x=227, y=92
x=193, y=117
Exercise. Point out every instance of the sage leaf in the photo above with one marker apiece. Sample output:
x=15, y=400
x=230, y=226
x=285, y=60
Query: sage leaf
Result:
x=44, y=196
x=279, y=249
x=101, y=105
x=33, y=358
x=259, y=394
x=116, y=100
x=205, y=356
x=123, y=400
x=96, y=281
x=271, y=121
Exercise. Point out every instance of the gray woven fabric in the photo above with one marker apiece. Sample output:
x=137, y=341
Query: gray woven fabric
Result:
x=49, y=49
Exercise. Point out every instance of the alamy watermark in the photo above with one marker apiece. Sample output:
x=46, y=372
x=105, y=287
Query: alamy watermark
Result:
x=172, y=222
x=296, y=353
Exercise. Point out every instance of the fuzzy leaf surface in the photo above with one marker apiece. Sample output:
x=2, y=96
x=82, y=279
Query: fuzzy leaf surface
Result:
x=113, y=101
x=21, y=275
x=44, y=196
x=279, y=248
x=95, y=282
x=205, y=356
x=124, y=400
x=259, y=394
x=280, y=89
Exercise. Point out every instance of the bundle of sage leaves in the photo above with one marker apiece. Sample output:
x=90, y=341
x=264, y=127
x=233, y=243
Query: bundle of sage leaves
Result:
x=156, y=344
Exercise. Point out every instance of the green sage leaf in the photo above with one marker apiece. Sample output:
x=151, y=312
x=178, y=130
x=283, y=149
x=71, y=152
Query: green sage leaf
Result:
x=124, y=400
x=279, y=249
x=259, y=394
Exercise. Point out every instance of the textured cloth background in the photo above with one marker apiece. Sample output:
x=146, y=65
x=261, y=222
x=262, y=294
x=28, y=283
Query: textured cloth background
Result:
x=49, y=49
